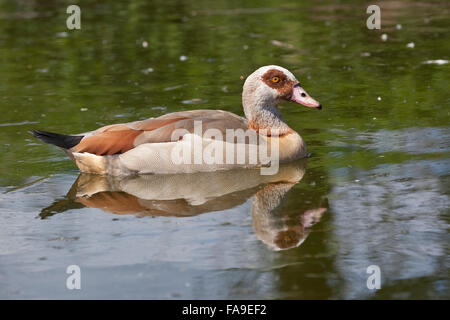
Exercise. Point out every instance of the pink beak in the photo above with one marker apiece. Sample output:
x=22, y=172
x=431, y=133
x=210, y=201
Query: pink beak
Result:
x=299, y=95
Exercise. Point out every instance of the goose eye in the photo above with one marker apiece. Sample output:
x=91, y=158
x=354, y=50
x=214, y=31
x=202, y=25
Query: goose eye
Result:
x=275, y=79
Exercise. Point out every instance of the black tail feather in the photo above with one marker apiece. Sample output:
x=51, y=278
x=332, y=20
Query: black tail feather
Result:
x=60, y=140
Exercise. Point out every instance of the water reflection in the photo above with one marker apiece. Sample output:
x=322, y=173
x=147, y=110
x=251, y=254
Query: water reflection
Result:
x=184, y=195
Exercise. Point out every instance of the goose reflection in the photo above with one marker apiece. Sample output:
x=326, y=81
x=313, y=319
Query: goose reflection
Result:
x=183, y=195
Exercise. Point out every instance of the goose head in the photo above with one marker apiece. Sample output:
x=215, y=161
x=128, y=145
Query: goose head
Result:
x=265, y=88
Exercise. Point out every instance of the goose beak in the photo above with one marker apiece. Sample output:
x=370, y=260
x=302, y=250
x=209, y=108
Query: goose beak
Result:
x=300, y=96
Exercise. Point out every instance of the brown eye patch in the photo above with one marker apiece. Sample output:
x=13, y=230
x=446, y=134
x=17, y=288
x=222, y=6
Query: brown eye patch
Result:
x=276, y=79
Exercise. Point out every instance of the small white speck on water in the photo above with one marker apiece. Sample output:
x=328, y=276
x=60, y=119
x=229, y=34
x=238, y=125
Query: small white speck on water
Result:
x=374, y=118
x=245, y=47
x=438, y=62
x=183, y=58
x=144, y=44
x=356, y=180
x=62, y=34
x=83, y=109
x=174, y=87
x=161, y=108
x=147, y=70
x=193, y=101
x=384, y=37
x=365, y=54
x=410, y=45
x=379, y=98
x=398, y=26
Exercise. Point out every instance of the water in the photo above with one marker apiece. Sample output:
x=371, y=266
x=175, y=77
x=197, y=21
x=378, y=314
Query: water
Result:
x=374, y=192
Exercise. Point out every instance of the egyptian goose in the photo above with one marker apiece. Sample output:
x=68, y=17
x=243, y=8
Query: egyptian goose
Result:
x=148, y=146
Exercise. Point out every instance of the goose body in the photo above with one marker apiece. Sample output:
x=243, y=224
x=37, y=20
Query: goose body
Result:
x=155, y=145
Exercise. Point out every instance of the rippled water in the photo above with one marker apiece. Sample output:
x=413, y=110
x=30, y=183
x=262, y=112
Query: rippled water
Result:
x=375, y=190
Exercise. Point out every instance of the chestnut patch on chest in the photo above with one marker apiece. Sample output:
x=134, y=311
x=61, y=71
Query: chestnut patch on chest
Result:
x=268, y=132
x=278, y=80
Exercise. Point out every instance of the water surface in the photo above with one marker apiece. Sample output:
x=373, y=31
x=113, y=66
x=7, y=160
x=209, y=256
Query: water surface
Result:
x=375, y=190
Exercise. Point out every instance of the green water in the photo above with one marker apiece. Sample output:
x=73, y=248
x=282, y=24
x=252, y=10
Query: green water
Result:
x=379, y=150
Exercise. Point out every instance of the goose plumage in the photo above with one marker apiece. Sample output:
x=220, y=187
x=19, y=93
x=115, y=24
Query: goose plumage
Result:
x=148, y=146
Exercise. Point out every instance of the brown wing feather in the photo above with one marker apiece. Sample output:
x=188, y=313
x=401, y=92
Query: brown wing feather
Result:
x=108, y=142
x=120, y=138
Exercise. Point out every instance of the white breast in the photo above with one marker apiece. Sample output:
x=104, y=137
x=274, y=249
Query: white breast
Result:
x=194, y=154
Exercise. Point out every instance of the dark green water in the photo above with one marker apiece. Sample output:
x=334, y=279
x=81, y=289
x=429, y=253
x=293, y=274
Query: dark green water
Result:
x=380, y=150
